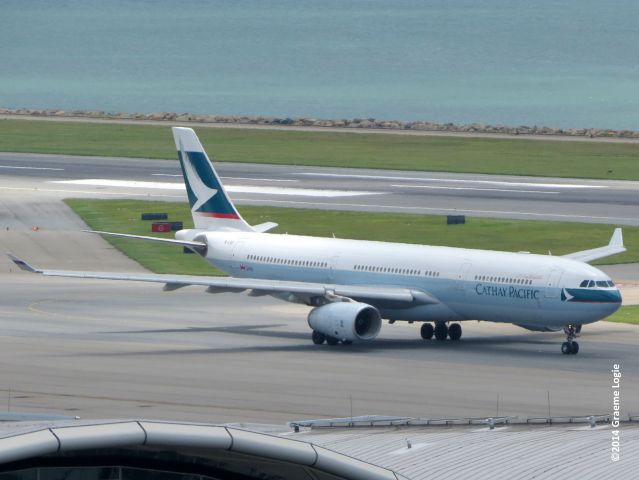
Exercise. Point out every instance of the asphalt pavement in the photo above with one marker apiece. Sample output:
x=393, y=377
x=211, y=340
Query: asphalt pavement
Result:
x=120, y=350
x=593, y=201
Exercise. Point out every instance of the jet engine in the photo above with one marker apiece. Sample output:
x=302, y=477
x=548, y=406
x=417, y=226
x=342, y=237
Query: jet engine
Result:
x=194, y=235
x=346, y=321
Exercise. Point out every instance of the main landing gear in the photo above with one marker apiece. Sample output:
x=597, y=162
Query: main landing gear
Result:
x=570, y=347
x=441, y=331
x=427, y=331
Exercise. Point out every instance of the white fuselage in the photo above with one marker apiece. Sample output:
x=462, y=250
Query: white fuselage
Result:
x=519, y=288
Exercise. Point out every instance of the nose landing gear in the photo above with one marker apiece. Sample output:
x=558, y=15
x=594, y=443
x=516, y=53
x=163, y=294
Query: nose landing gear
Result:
x=570, y=347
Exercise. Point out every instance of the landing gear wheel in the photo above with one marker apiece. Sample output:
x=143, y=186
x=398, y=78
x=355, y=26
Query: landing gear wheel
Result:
x=347, y=342
x=441, y=331
x=455, y=331
x=332, y=340
x=427, y=331
x=570, y=346
x=318, y=338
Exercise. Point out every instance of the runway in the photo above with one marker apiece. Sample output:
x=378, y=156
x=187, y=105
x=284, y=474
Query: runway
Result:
x=111, y=349
x=596, y=201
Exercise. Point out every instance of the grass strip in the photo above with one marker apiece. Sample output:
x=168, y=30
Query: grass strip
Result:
x=628, y=314
x=491, y=234
x=580, y=159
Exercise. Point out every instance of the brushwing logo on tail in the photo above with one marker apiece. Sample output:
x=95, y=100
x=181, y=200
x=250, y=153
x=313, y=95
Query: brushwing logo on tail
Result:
x=210, y=205
x=202, y=192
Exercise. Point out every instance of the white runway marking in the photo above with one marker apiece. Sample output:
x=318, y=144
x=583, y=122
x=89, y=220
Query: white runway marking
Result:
x=13, y=167
x=454, y=180
x=260, y=179
x=92, y=192
x=477, y=189
x=301, y=192
x=103, y=182
x=228, y=178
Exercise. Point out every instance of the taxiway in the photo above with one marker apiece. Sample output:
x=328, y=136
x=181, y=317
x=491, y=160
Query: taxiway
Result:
x=115, y=349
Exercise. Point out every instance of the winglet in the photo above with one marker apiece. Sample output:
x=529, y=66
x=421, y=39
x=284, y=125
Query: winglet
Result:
x=22, y=264
x=617, y=238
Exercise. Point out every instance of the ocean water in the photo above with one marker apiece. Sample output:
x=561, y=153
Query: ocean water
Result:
x=573, y=63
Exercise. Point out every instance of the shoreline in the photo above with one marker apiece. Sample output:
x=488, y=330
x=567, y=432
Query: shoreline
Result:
x=356, y=125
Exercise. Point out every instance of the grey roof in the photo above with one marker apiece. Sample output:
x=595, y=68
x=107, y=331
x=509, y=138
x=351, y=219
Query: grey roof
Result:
x=514, y=451
x=25, y=441
x=442, y=452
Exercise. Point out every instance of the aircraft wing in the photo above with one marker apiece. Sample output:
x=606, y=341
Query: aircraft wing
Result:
x=173, y=282
x=614, y=246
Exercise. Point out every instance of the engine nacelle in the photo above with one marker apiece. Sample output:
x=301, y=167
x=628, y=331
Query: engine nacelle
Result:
x=194, y=235
x=352, y=321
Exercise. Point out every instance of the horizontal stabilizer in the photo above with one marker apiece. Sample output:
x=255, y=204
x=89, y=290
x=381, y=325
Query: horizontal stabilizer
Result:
x=184, y=243
x=614, y=246
x=264, y=227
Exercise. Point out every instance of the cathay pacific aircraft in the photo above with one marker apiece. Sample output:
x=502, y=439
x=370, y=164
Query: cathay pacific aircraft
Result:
x=353, y=284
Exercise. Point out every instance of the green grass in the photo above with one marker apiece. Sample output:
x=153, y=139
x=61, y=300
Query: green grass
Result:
x=627, y=314
x=405, y=152
x=494, y=234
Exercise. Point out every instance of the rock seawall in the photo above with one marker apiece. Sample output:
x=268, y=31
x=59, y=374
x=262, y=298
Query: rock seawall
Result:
x=355, y=123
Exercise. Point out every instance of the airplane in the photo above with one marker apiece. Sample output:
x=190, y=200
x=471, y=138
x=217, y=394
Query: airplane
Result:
x=353, y=284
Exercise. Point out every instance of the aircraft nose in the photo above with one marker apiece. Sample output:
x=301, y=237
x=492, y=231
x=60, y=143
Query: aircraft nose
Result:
x=614, y=301
x=616, y=296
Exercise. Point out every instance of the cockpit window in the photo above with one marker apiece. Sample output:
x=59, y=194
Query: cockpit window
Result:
x=591, y=284
x=611, y=283
x=584, y=284
x=602, y=283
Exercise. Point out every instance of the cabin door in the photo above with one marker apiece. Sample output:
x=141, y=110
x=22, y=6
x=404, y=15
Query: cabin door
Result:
x=237, y=264
x=333, y=269
x=462, y=277
x=553, y=282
